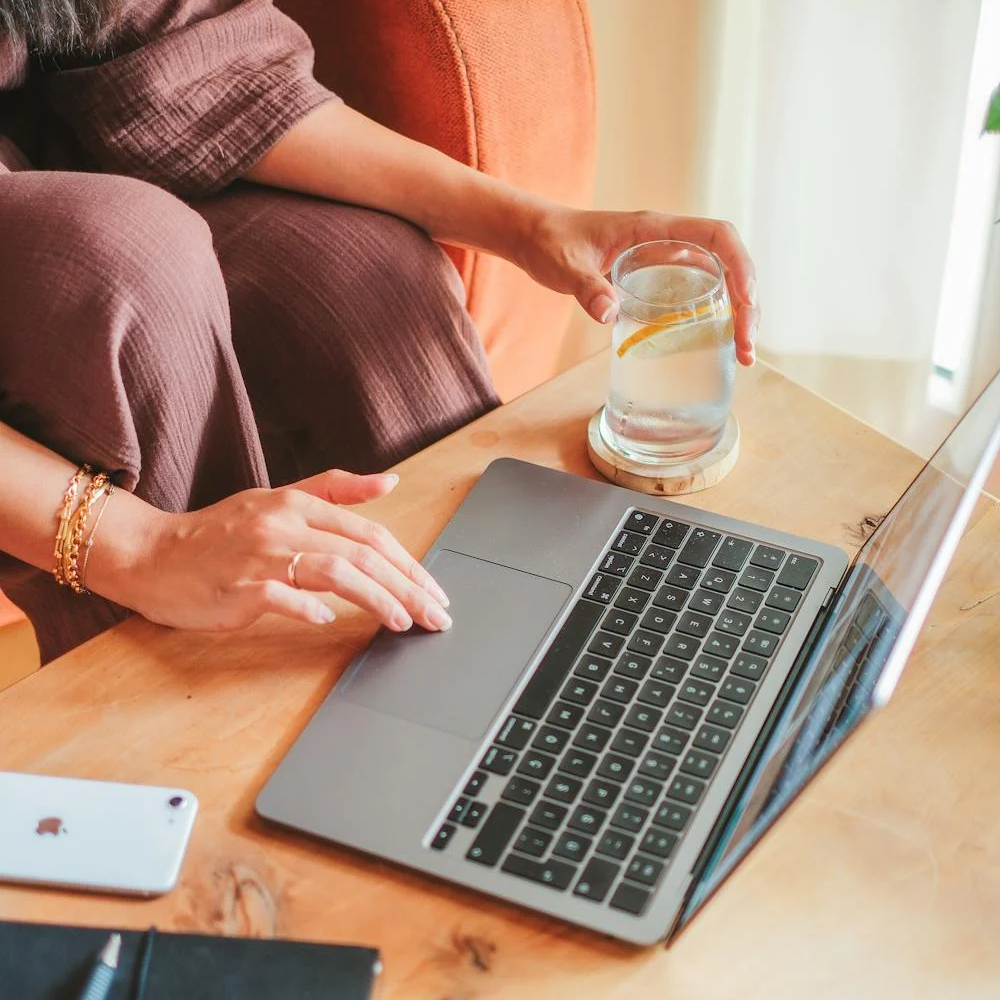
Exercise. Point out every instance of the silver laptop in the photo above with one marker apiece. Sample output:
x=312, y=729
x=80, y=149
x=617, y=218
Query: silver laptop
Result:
x=632, y=692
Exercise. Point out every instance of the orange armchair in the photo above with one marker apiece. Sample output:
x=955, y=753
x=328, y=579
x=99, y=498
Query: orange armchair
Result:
x=506, y=86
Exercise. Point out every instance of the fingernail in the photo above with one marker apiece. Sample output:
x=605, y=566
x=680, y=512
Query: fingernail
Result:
x=391, y=478
x=401, y=621
x=605, y=308
x=753, y=334
x=753, y=356
x=439, y=618
x=752, y=291
x=324, y=615
x=436, y=592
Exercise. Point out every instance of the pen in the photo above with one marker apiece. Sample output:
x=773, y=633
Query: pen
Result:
x=103, y=973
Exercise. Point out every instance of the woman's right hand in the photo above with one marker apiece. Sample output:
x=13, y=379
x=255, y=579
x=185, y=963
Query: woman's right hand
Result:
x=224, y=566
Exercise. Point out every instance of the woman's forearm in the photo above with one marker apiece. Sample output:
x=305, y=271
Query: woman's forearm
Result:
x=29, y=515
x=338, y=153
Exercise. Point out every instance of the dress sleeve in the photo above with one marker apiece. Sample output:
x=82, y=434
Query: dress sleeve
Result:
x=194, y=109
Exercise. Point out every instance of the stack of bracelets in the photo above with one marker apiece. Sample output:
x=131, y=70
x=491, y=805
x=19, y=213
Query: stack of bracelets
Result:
x=69, y=570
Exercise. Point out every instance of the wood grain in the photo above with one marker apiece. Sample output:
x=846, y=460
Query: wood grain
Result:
x=882, y=881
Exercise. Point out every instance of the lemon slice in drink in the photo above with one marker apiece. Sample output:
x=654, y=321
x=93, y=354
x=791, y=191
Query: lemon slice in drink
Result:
x=682, y=330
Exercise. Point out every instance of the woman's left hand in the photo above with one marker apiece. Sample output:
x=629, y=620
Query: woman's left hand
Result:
x=572, y=251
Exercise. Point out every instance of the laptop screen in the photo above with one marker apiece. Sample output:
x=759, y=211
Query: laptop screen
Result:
x=856, y=659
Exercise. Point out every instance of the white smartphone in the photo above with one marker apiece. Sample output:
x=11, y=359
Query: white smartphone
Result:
x=96, y=835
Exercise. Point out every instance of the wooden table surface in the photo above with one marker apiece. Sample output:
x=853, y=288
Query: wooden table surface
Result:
x=883, y=880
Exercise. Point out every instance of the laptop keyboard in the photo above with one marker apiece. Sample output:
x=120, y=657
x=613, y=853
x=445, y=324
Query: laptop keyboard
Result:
x=610, y=747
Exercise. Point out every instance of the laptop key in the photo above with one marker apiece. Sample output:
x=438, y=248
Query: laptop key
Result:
x=605, y=713
x=642, y=717
x=671, y=534
x=495, y=835
x=594, y=668
x=658, y=843
x=498, y=761
x=615, y=845
x=643, y=791
x=724, y=714
x=619, y=621
x=693, y=623
x=602, y=588
x=797, y=572
x=773, y=620
x=515, y=733
x=551, y=740
x=536, y=764
x=659, y=620
x=563, y=788
x=756, y=578
x=683, y=646
x=548, y=815
x=565, y=715
x=706, y=601
x=555, y=874
x=475, y=784
x=670, y=598
x=632, y=599
x=712, y=738
x=591, y=737
x=629, y=817
x=784, y=598
x=629, y=741
x=633, y=665
x=738, y=690
x=645, y=578
x=733, y=622
x=670, y=740
x=709, y=668
x=616, y=563
x=620, y=689
x=473, y=814
x=630, y=898
x=742, y=599
x=579, y=691
x=596, y=881
x=629, y=542
x=682, y=576
x=616, y=767
x=656, y=693
x=672, y=815
x=521, y=790
x=761, y=643
x=572, y=846
x=719, y=580
x=657, y=765
x=645, y=643
x=642, y=521
x=442, y=838
x=644, y=870
x=695, y=691
x=606, y=644
x=669, y=669
x=700, y=764
x=601, y=793
x=767, y=556
x=699, y=547
x=720, y=644
x=533, y=842
x=685, y=716
x=558, y=660
x=657, y=557
x=732, y=554
x=587, y=819
x=749, y=666
x=686, y=789
x=578, y=762
x=458, y=810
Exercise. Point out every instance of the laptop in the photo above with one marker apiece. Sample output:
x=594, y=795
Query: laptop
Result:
x=632, y=692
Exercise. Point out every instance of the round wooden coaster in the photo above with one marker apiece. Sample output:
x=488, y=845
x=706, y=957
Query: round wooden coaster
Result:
x=668, y=479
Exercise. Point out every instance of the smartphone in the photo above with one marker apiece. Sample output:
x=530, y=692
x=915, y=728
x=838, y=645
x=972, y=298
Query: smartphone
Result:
x=97, y=835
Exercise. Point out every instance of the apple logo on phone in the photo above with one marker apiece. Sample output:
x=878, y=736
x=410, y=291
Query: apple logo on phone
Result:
x=50, y=824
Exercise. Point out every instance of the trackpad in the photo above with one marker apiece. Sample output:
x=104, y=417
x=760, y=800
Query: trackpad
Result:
x=456, y=680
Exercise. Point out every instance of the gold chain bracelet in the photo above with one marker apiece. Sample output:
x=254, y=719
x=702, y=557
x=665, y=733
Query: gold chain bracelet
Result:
x=90, y=541
x=77, y=526
x=65, y=513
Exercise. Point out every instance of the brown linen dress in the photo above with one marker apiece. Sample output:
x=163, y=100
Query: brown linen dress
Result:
x=191, y=333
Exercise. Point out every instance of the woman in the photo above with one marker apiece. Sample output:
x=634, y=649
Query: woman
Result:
x=207, y=342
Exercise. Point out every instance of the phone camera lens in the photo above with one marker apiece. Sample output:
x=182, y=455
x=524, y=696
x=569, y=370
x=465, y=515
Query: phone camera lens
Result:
x=176, y=801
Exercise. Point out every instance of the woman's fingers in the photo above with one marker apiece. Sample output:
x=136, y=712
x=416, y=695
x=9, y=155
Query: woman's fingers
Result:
x=337, y=486
x=279, y=598
x=363, y=577
x=347, y=524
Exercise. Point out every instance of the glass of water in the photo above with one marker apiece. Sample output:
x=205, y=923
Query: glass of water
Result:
x=673, y=357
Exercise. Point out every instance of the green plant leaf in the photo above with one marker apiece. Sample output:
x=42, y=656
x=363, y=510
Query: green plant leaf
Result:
x=992, y=123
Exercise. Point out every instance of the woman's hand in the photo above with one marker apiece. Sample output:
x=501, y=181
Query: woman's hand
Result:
x=572, y=251
x=225, y=566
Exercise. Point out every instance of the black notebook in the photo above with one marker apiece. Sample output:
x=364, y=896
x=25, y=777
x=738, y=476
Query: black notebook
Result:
x=49, y=962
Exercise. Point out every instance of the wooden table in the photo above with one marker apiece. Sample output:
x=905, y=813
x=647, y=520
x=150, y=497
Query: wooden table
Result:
x=882, y=881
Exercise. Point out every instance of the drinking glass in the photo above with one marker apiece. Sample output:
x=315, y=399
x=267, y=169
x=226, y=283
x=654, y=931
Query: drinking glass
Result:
x=673, y=358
